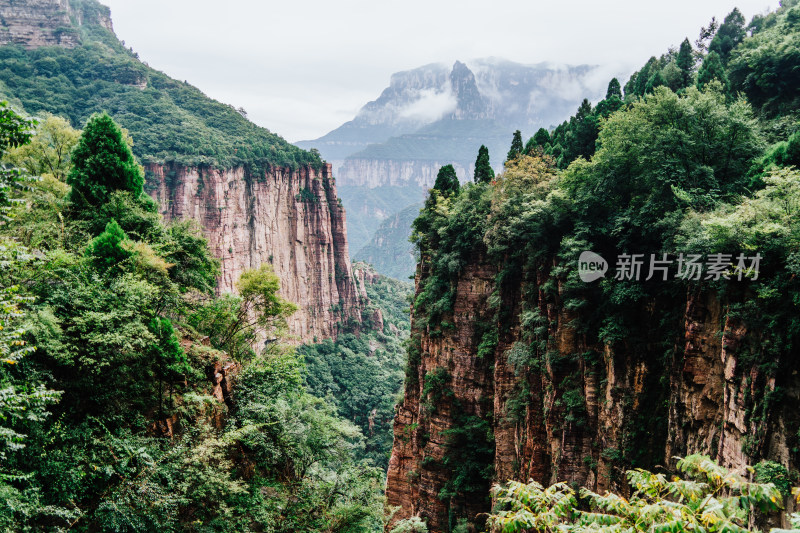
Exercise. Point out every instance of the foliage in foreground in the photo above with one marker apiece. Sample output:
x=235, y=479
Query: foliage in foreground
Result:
x=710, y=498
x=127, y=334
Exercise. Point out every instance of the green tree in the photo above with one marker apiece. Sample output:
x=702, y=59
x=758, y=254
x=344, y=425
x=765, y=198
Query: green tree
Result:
x=783, y=154
x=656, y=80
x=447, y=181
x=583, y=133
x=712, y=69
x=102, y=163
x=516, y=146
x=614, y=89
x=730, y=34
x=540, y=140
x=107, y=250
x=14, y=131
x=648, y=171
x=483, y=168
x=50, y=149
x=187, y=249
x=237, y=323
x=542, y=136
x=23, y=401
x=685, y=62
x=706, y=34
x=641, y=78
x=169, y=359
x=764, y=66
x=613, y=100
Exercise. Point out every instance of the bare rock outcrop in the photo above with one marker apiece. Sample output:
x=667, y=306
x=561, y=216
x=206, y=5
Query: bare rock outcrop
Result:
x=290, y=219
x=37, y=23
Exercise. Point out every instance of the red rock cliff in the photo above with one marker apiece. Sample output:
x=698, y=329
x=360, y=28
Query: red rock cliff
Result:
x=289, y=219
x=583, y=412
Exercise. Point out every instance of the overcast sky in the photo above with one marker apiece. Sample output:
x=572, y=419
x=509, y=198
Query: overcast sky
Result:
x=303, y=67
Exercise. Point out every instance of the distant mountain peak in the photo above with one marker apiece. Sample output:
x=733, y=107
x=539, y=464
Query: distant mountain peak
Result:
x=501, y=94
x=470, y=104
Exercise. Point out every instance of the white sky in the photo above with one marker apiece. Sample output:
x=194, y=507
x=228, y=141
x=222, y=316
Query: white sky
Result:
x=303, y=67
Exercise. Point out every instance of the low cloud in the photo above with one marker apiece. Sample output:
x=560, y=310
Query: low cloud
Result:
x=430, y=107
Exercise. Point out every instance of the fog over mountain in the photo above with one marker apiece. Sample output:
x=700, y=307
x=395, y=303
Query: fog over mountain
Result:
x=482, y=98
x=434, y=115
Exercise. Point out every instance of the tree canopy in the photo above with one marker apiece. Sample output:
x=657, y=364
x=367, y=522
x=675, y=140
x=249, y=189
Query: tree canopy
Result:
x=102, y=163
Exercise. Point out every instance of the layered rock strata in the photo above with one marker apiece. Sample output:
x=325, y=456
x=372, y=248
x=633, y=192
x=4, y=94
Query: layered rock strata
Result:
x=579, y=412
x=378, y=172
x=36, y=23
x=290, y=219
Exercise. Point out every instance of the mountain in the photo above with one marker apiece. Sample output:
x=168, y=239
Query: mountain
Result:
x=258, y=198
x=368, y=208
x=389, y=250
x=437, y=113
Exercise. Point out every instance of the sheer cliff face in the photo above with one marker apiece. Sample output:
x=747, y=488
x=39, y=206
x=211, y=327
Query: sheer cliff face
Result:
x=573, y=416
x=378, y=172
x=35, y=23
x=289, y=219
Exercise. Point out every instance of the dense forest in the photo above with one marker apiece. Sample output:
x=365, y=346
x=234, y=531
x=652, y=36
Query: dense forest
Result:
x=134, y=396
x=693, y=160
x=118, y=359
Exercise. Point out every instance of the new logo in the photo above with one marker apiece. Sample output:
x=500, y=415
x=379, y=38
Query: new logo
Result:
x=591, y=267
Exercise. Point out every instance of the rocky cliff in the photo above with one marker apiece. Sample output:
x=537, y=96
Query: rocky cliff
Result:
x=35, y=23
x=582, y=413
x=289, y=219
x=398, y=173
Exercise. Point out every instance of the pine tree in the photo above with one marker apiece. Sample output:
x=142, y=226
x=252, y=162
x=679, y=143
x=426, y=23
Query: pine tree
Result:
x=710, y=70
x=730, y=34
x=643, y=77
x=102, y=163
x=516, y=146
x=483, y=169
x=106, y=249
x=685, y=62
x=656, y=80
x=541, y=140
x=447, y=181
x=614, y=89
x=542, y=137
x=612, y=101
